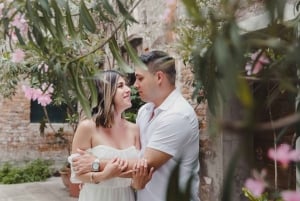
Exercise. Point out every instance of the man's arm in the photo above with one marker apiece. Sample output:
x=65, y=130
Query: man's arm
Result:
x=144, y=168
x=156, y=158
x=82, y=164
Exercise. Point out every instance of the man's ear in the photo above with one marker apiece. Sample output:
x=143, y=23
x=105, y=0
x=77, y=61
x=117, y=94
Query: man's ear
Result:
x=160, y=76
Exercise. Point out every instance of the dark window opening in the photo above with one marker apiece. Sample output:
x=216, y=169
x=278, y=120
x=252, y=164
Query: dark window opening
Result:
x=56, y=113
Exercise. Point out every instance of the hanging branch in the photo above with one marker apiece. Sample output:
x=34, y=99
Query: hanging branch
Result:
x=240, y=127
x=107, y=39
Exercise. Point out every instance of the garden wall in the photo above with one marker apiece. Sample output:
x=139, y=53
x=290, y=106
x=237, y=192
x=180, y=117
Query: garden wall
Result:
x=21, y=140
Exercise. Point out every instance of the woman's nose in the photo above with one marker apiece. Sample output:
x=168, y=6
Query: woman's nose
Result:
x=128, y=89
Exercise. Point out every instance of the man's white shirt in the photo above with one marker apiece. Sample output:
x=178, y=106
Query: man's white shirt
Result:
x=173, y=129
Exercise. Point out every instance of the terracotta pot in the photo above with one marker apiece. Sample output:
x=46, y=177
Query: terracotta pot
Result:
x=65, y=176
x=74, y=190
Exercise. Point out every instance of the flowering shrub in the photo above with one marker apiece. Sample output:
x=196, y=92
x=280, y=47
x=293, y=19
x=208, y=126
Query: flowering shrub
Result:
x=57, y=46
x=254, y=188
x=256, y=185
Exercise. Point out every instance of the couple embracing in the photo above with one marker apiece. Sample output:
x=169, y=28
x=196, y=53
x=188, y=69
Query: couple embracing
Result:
x=121, y=161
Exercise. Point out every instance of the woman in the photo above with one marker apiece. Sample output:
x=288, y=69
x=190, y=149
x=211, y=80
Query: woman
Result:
x=108, y=136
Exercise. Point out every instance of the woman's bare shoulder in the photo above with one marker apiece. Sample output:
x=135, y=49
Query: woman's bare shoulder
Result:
x=134, y=129
x=86, y=124
x=132, y=125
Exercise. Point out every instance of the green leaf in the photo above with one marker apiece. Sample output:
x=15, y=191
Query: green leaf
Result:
x=174, y=192
x=244, y=93
x=45, y=5
x=123, y=66
x=46, y=21
x=133, y=55
x=193, y=11
x=19, y=36
x=58, y=20
x=88, y=75
x=32, y=15
x=124, y=12
x=108, y=8
x=69, y=21
x=84, y=102
x=86, y=18
x=102, y=15
x=38, y=36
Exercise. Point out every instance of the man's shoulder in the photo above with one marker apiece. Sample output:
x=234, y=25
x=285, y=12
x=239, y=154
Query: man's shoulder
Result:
x=145, y=107
x=181, y=105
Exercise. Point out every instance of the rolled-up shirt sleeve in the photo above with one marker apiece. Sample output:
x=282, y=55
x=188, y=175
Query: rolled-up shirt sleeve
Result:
x=169, y=137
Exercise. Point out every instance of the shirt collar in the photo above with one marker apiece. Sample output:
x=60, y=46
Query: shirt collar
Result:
x=168, y=102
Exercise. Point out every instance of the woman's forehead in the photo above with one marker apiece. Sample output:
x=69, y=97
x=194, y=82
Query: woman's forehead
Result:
x=121, y=79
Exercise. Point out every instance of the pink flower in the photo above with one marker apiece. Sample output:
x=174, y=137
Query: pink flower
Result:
x=290, y=195
x=18, y=56
x=257, y=68
x=36, y=94
x=258, y=65
x=44, y=67
x=48, y=89
x=255, y=186
x=44, y=99
x=284, y=154
x=20, y=22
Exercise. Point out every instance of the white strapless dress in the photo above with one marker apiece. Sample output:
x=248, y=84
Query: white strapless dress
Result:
x=115, y=189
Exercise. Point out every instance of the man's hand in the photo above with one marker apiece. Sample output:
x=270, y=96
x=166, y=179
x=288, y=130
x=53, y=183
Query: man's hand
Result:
x=141, y=175
x=83, y=163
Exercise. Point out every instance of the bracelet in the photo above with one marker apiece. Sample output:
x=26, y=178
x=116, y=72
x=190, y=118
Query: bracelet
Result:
x=92, y=177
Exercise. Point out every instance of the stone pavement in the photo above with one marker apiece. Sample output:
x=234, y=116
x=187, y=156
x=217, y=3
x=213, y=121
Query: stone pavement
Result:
x=49, y=190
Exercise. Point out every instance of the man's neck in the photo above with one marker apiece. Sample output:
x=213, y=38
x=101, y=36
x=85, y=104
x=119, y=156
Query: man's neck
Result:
x=163, y=96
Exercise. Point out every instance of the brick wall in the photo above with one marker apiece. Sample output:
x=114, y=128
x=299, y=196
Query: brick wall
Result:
x=21, y=140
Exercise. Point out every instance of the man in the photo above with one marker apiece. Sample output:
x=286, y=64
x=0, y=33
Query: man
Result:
x=168, y=126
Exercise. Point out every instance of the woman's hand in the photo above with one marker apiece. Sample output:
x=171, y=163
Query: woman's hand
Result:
x=141, y=174
x=114, y=168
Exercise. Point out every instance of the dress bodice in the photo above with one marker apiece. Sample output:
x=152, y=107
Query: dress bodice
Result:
x=107, y=152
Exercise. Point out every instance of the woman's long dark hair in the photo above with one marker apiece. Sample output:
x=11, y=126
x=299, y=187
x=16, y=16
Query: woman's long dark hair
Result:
x=106, y=84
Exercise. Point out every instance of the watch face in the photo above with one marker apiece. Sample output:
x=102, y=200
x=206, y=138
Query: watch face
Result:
x=95, y=166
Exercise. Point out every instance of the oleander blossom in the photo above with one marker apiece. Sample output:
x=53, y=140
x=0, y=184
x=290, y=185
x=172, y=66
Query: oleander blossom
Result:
x=43, y=67
x=18, y=56
x=256, y=187
x=20, y=22
x=43, y=97
x=254, y=68
x=290, y=195
x=257, y=184
x=284, y=154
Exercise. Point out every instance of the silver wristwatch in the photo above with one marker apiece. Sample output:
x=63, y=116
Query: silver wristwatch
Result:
x=96, y=165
